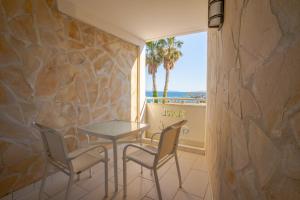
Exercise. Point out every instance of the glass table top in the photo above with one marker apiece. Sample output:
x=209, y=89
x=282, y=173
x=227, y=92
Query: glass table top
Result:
x=113, y=129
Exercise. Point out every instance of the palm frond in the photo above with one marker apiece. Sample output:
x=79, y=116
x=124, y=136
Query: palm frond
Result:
x=153, y=56
x=171, y=51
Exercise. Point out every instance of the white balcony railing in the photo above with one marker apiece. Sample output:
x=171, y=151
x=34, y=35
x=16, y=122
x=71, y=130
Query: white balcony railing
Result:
x=161, y=112
x=189, y=100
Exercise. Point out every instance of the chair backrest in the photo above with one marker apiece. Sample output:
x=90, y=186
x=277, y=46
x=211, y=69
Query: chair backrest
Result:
x=169, y=139
x=54, y=144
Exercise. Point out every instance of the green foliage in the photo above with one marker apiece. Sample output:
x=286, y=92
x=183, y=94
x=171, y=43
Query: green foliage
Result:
x=153, y=60
x=155, y=94
x=170, y=50
x=153, y=56
x=166, y=52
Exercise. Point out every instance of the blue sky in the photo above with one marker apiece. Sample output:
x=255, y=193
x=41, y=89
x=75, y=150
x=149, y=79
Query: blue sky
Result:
x=189, y=73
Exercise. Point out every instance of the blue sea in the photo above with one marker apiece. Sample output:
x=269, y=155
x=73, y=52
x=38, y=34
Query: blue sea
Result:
x=201, y=94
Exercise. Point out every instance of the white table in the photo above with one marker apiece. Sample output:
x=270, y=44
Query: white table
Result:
x=114, y=130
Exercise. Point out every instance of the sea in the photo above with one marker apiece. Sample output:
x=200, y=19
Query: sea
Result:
x=200, y=94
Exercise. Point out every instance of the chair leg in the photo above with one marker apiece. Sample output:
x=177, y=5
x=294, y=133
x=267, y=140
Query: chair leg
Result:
x=90, y=171
x=141, y=169
x=157, y=184
x=69, y=186
x=178, y=170
x=43, y=181
x=106, y=177
x=124, y=177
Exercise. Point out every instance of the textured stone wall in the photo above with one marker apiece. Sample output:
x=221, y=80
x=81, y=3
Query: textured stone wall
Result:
x=58, y=71
x=253, y=120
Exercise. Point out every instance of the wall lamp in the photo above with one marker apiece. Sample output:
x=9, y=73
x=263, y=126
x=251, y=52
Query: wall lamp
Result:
x=215, y=13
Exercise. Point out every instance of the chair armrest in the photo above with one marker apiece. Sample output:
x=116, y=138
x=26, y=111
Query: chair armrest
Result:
x=81, y=151
x=154, y=135
x=138, y=147
x=87, y=138
x=74, y=137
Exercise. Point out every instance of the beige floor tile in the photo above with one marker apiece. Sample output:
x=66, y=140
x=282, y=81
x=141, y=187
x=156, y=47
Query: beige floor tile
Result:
x=181, y=195
x=147, y=174
x=56, y=183
x=7, y=197
x=140, y=186
x=37, y=185
x=99, y=192
x=98, y=177
x=30, y=192
x=168, y=185
x=188, y=155
x=146, y=198
x=23, y=191
x=137, y=189
x=99, y=169
x=120, y=162
x=33, y=195
x=90, y=184
x=200, y=164
x=76, y=193
x=133, y=171
x=185, y=166
x=208, y=194
x=56, y=186
x=196, y=183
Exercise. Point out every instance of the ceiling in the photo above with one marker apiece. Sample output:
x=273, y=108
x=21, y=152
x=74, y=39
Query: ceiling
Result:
x=138, y=21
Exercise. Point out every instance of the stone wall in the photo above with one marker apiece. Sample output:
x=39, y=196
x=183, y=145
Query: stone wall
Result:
x=58, y=71
x=253, y=120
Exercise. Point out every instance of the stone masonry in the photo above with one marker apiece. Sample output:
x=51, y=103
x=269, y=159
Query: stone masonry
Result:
x=58, y=71
x=253, y=112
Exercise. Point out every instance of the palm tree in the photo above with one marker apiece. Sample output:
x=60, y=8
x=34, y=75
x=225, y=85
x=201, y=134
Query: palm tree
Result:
x=171, y=54
x=153, y=60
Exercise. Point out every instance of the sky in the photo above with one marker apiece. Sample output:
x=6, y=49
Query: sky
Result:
x=189, y=73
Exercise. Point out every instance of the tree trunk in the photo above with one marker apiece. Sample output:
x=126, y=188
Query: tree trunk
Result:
x=154, y=90
x=166, y=84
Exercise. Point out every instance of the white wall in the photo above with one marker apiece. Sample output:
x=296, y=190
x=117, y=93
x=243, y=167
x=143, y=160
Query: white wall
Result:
x=171, y=113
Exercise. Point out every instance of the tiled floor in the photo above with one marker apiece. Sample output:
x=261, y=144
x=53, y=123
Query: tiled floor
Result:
x=140, y=186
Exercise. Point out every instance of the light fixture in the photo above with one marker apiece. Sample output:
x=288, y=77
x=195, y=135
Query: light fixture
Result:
x=215, y=13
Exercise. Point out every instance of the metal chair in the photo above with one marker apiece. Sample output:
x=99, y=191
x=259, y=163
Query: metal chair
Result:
x=72, y=163
x=153, y=158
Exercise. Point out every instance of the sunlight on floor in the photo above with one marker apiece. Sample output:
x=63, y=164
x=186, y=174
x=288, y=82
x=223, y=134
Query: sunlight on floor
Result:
x=140, y=186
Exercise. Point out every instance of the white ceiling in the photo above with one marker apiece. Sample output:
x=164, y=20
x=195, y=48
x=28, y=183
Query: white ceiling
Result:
x=138, y=21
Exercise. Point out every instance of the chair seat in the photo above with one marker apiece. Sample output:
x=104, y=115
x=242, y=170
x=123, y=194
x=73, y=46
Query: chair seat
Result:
x=96, y=153
x=85, y=161
x=143, y=157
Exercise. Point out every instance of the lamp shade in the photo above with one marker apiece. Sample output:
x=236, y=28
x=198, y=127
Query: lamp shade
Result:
x=215, y=13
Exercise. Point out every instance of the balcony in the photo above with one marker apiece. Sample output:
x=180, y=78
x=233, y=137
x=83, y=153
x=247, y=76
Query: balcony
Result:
x=140, y=186
x=64, y=74
x=161, y=112
x=68, y=63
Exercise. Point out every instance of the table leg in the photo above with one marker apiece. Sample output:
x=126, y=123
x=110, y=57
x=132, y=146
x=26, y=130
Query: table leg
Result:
x=115, y=151
x=141, y=143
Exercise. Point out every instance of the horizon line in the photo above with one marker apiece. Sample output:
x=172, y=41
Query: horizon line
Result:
x=179, y=91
